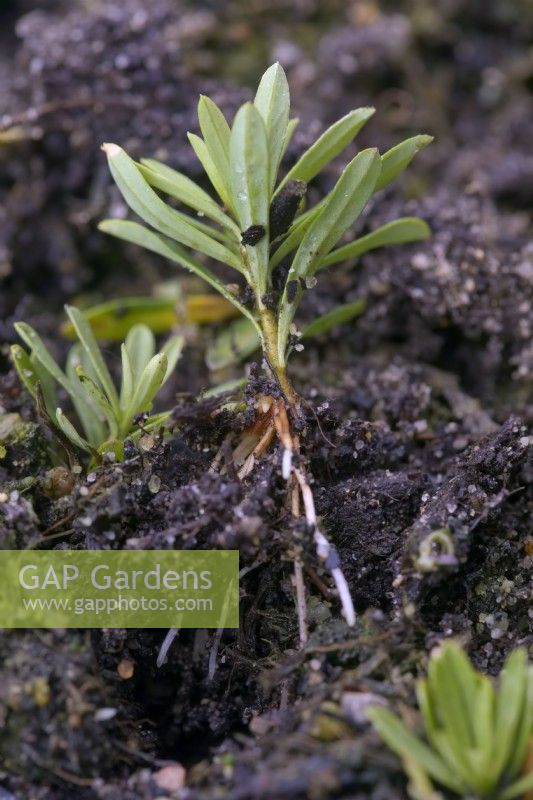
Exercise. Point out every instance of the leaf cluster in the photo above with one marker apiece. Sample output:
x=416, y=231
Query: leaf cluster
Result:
x=477, y=736
x=106, y=416
x=242, y=228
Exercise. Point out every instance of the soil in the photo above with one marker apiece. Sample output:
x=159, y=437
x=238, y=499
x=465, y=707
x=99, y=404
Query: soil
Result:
x=416, y=415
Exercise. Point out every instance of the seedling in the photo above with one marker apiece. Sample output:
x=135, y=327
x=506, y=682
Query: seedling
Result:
x=260, y=229
x=477, y=737
x=255, y=228
x=107, y=417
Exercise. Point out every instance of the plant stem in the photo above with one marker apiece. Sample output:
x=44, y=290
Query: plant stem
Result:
x=269, y=328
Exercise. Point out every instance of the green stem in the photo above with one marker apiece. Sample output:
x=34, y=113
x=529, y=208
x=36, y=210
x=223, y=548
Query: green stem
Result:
x=269, y=334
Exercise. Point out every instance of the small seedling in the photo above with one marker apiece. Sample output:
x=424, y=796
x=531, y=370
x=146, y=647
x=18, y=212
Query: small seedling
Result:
x=259, y=227
x=255, y=228
x=477, y=736
x=106, y=416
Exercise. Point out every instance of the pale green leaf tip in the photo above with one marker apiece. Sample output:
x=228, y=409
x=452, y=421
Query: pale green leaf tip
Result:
x=111, y=149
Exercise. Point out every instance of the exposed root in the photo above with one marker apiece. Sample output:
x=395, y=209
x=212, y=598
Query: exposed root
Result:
x=301, y=605
x=273, y=420
x=325, y=551
x=165, y=647
x=299, y=583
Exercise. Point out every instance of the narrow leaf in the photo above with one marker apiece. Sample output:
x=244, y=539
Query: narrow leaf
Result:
x=216, y=134
x=400, y=231
x=90, y=346
x=344, y=204
x=99, y=399
x=483, y=721
x=127, y=383
x=37, y=347
x=71, y=433
x=140, y=344
x=88, y=414
x=249, y=185
x=395, y=160
x=146, y=389
x=138, y=234
x=333, y=318
x=203, y=156
x=511, y=700
x=149, y=206
x=289, y=133
x=400, y=739
x=524, y=730
x=272, y=100
x=24, y=368
x=173, y=183
x=328, y=146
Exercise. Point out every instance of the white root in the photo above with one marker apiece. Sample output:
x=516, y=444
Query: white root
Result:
x=325, y=551
x=165, y=647
x=286, y=464
x=301, y=605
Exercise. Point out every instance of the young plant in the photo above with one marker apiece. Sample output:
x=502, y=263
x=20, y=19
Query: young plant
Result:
x=477, y=737
x=256, y=227
x=259, y=227
x=106, y=416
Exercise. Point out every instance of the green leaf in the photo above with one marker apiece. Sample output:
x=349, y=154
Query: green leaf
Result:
x=449, y=675
x=172, y=350
x=395, y=160
x=405, y=744
x=24, y=368
x=111, y=321
x=37, y=347
x=173, y=183
x=511, y=700
x=127, y=382
x=216, y=133
x=483, y=722
x=524, y=731
x=90, y=346
x=71, y=433
x=47, y=386
x=99, y=399
x=138, y=234
x=400, y=231
x=203, y=156
x=88, y=414
x=289, y=133
x=249, y=186
x=272, y=100
x=140, y=344
x=146, y=389
x=233, y=344
x=149, y=206
x=328, y=146
x=344, y=204
x=336, y=317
